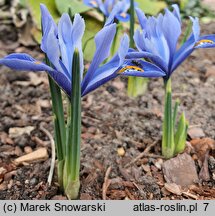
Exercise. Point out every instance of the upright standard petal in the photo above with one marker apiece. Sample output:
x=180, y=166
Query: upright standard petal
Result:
x=108, y=71
x=47, y=20
x=103, y=41
x=117, y=10
x=70, y=36
x=172, y=29
x=65, y=41
x=176, y=12
x=195, y=27
x=77, y=35
x=152, y=38
x=50, y=46
x=141, y=17
x=49, y=43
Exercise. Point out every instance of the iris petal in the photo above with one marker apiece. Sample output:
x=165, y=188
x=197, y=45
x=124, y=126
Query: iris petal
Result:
x=22, y=61
x=52, y=49
x=195, y=28
x=47, y=20
x=107, y=72
x=123, y=17
x=155, y=59
x=103, y=40
x=185, y=50
x=176, y=12
x=141, y=17
x=146, y=69
x=152, y=39
x=172, y=29
x=70, y=36
x=207, y=41
x=91, y=3
x=77, y=34
x=65, y=41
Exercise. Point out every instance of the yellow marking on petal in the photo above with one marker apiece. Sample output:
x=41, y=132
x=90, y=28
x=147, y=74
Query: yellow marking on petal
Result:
x=127, y=68
x=37, y=62
x=94, y=3
x=123, y=15
x=203, y=42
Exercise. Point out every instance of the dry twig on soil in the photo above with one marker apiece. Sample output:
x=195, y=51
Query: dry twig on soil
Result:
x=106, y=183
x=144, y=153
x=52, y=155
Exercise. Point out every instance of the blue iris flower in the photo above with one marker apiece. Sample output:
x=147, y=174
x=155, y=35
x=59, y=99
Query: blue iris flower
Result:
x=107, y=6
x=158, y=38
x=60, y=41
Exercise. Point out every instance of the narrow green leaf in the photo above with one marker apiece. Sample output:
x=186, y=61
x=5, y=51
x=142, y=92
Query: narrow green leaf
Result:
x=75, y=116
x=187, y=32
x=181, y=134
x=175, y=113
x=59, y=127
x=58, y=112
x=72, y=163
x=168, y=145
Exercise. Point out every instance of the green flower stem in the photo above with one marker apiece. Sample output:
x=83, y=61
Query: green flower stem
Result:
x=72, y=167
x=104, y=19
x=59, y=125
x=168, y=145
x=132, y=21
x=136, y=85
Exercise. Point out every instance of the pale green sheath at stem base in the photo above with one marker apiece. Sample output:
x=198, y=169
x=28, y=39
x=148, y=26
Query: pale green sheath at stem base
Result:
x=168, y=145
x=174, y=135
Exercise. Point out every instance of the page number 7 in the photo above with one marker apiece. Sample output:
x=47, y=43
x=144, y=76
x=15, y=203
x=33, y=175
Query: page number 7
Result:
x=206, y=205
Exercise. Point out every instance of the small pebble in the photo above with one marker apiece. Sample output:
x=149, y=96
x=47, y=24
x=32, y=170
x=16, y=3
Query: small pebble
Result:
x=22, y=140
x=3, y=186
x=196, y=133
x=28, y=149
x=159, y=163
x=18, y=151
x=121, y=151
x=33, y=181
x=173, y=188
